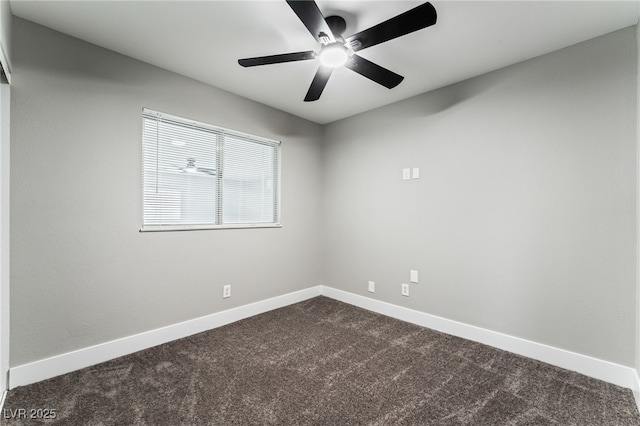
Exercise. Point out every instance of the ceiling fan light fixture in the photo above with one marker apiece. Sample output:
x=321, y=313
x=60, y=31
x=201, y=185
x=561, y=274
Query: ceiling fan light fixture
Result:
x=338, y=51
x=334, y=55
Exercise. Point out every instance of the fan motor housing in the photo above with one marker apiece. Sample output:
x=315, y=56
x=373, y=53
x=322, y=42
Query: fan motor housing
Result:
x=337, y=24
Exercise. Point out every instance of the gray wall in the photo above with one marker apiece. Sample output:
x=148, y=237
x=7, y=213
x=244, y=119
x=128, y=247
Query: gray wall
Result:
x=6, y=20
x=524, y=218
x=81, y=272
x=5, y=102
x=5, y=232
x=637, y=206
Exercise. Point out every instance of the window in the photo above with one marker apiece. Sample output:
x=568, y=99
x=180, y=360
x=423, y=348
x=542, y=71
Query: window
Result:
x=198, y=176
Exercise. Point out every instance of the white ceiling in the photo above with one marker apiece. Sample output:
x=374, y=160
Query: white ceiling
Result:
x=204, y=39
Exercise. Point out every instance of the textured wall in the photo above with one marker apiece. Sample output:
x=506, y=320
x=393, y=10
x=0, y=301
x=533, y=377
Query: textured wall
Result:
x=81, y=273
x=524, y=218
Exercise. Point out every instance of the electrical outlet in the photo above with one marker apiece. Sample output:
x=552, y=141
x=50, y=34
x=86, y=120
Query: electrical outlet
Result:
x=226, y=291
x=405, y=289
x=372, y=287
x=406, y=174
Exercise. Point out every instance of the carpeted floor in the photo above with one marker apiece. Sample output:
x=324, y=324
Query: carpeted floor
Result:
x=323, y=362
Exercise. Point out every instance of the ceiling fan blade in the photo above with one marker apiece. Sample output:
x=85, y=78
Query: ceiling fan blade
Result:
x=276, y=59
x=312, y=18
x=380, y=75
x=318, y=83
x=412, y=20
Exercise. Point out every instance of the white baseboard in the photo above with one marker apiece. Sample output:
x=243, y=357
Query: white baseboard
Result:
x=61, y=364
x=75, y=360
x=636, y=389
x=604, y=370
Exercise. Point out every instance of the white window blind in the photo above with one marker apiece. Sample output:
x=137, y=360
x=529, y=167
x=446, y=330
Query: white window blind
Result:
x=198, y=176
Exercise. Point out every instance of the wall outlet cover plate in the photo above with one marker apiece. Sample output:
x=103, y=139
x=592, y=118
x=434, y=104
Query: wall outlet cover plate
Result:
x=405, y=289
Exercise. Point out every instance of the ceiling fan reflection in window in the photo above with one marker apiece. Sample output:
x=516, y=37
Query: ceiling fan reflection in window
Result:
x=192, y=169
x=336, y=51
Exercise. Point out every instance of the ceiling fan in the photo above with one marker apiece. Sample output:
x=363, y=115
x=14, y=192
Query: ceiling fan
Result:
x=336, y=51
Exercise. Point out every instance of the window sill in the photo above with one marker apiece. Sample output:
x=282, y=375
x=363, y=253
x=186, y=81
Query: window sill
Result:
x=166, y=228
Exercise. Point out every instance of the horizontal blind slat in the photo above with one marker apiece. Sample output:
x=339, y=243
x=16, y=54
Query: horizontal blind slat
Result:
x=183, y=184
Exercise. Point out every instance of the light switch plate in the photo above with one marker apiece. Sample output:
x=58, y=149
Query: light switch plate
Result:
x=414, y=276
x=415, y=173
x=372, y=287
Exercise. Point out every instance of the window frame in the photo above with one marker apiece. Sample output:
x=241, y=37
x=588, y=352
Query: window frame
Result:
x=197, y=227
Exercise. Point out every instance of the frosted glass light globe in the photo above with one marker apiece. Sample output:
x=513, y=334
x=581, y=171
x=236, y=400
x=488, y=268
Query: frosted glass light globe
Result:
x=334, y=55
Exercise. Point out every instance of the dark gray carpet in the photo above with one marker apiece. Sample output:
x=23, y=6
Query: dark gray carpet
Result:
x=323, y=362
